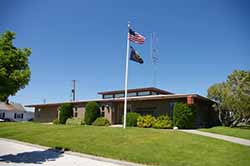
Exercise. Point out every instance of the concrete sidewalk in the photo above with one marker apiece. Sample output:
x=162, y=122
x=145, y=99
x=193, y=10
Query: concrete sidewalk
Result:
x=219, y=136
x=19, y=153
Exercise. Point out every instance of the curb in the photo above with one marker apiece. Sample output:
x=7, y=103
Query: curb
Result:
x=97, y=158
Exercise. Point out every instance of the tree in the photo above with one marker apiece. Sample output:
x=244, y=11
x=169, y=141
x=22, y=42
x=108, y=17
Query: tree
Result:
x=233, y=98
x=14, y=67
x=92, y=112
x=65, y=112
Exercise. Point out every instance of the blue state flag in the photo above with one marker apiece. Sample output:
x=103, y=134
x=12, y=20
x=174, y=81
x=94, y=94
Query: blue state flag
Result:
x=134, y=56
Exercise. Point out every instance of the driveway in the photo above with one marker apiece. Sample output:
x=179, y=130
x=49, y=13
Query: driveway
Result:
x=17, y=153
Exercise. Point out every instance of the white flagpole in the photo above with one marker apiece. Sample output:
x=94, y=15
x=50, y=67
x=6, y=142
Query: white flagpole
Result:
x=126, y=82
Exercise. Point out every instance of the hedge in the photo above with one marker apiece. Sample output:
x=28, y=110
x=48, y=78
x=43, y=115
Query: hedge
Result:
x=131, y=119
x=75, y=121
x=184, y=116
x=145, y=121
x=162, y=122
x=101, y=121
x=65, y=112
x=91, y=113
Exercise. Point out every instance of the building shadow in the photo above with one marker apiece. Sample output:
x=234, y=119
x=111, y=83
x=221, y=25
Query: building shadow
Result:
x=34, y=157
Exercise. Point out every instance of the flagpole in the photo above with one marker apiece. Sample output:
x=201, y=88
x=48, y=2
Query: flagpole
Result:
x=126, y=82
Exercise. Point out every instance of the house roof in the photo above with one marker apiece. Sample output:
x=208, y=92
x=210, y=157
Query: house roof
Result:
x=152, y=89
x=135, y=98
x=11, y=107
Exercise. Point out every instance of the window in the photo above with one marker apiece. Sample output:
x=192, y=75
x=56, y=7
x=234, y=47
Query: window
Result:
x=171, y=109
x=132, y=94
x=119, y=95
x=154, y=93
x=143, y=93
x=2, y=115
x=108, y=96
x=18, y=116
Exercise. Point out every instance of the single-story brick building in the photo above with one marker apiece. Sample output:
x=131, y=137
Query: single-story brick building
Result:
x=144, y=101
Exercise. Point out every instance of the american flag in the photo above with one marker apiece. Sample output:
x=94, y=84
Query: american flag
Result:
x=135, y=37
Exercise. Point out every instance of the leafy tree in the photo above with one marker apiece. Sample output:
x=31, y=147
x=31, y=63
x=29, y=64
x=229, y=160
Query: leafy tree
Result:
x=92, y=112
x=14, y=67
x=233, y=98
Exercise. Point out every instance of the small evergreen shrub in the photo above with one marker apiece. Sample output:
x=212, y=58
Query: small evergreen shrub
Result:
x=131, y=119
x=101, y=121
x=75, y=121
x=92, y=112
x=65, y=112
x=55, y=121
x=184, y=116
x=145, y=121
x=163, y=122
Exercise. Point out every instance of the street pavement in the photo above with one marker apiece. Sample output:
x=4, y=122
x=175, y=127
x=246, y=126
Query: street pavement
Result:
x=14, y=153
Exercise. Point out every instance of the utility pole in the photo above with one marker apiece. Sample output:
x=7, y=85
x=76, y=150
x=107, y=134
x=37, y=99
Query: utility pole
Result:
x=74, y=90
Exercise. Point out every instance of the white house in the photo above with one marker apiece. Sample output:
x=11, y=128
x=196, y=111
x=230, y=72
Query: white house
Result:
x=14, y=112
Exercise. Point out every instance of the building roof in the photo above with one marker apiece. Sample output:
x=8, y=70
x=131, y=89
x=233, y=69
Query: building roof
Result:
x=11, y=107
x=152, y=89
x=135, y=98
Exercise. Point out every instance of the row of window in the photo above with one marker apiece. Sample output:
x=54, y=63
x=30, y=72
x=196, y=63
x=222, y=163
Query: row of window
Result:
x=16, y=116
x=119, y=95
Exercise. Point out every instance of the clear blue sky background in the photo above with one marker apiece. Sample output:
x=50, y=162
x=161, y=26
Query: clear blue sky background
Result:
x=200, y=43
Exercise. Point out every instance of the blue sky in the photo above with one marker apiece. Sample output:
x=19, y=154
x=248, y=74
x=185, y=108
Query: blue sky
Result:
x=200, y=43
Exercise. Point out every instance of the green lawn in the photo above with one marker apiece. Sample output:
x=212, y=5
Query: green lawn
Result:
x=148, y=146
x=236, y=132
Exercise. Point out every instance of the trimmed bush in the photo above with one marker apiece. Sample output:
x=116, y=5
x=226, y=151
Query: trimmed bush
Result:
x=184, y=116
x=75, y=121
x=101, y=121
x=92, y=112
x=163, y=122
x=131, y=119
x=65, y=112
x=55, y=121
x=145, y=121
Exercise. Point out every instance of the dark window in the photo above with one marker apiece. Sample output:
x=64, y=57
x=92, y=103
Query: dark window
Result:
x=15, y=116
x=102, y=113
x=75, y=114
x=21, y=116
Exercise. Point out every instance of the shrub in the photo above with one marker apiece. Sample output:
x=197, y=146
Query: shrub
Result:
x=145, y=121
x=162, y=122
x=131, y=119
x=75, y=121
x=91, y=113
x=101, y=121
x=184, y=116
x=65, y=112
x=56, y=121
